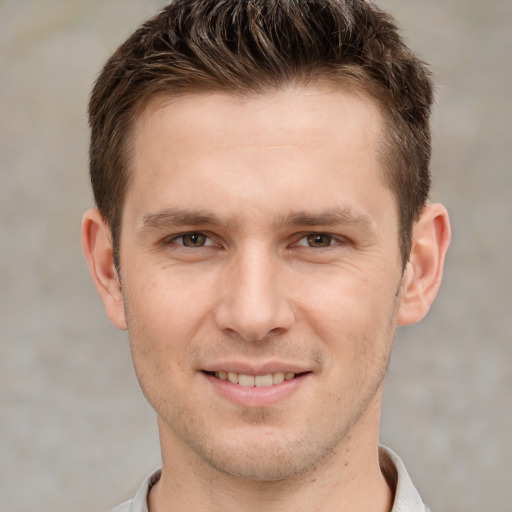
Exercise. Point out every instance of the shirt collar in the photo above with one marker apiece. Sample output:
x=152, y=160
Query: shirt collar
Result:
x=407, y=498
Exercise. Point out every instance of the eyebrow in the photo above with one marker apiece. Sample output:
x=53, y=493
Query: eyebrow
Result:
x=178, y=217
x=327, y=218
x=171, y=217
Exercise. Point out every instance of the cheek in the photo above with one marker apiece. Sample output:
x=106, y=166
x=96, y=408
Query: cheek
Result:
x=165, y=301
x=155, y=320
x=166, y=311
x=158, y=344
x=352, y=316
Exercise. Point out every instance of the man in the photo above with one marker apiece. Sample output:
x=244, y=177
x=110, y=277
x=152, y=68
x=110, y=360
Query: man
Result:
x=261, y=174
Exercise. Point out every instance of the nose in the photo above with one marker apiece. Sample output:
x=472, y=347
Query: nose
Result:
x=253, y=301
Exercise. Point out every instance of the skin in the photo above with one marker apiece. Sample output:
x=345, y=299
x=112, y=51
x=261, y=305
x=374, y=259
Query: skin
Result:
x=259, y=233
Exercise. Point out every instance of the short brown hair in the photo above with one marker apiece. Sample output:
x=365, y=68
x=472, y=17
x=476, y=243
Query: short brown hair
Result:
x=243, y=46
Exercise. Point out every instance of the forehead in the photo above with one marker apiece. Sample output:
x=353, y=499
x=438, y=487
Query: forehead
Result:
x=320, y=101
x=260, y=147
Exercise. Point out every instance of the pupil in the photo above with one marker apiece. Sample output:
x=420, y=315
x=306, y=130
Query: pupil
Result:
x=319, y=240
x=194, y=239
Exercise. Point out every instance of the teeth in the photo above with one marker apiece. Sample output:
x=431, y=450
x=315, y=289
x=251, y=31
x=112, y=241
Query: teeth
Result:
x=259, y=381
x=247, y=381
x=262, y=381
x=277, y=378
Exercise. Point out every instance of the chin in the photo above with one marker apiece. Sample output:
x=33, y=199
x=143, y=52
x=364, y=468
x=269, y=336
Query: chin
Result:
x=261, y=464
x=264, y=455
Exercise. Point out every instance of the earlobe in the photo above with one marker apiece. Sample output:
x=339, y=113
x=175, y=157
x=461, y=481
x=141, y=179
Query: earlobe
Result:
x=97, y=246
x=424, y=270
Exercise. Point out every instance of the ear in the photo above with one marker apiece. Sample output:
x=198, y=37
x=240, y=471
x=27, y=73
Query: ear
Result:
x=424, y=270
x=97, y=246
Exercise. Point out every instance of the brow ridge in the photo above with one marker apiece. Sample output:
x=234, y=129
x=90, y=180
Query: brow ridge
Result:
x=185, y=217
x=178, y=217
x=326, y=218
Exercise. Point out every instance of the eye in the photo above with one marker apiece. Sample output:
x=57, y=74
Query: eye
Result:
x=317, y=240
x=192, y=240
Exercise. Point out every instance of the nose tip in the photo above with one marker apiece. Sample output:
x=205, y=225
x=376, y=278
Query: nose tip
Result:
x=252, y=323
x=254, y=305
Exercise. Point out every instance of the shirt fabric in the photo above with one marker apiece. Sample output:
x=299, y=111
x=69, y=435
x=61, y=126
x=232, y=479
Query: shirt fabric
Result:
x=407, y=498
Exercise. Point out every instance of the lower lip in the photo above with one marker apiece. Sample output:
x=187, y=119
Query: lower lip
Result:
x=256, y=396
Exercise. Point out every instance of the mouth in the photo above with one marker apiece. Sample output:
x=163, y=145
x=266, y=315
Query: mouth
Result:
x=257, y=381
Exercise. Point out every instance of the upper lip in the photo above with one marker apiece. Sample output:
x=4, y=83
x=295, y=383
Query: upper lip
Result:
x=255, y=368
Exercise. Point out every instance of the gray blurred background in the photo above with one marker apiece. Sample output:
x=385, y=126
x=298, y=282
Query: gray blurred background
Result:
x=76, y=433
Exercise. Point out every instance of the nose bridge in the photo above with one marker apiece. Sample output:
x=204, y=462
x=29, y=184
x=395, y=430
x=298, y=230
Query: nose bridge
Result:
x=254, y=304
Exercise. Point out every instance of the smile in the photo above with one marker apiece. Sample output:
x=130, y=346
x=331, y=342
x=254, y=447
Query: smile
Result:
x=246, y=389
x=258, y=381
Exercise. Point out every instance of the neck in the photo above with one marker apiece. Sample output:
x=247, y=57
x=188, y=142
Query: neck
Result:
x=348, y=479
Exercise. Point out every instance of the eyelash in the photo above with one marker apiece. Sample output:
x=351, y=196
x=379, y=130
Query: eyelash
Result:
x=182, y=236
x=332, y=240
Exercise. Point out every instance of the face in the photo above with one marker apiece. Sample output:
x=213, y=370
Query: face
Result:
x=260, y=271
